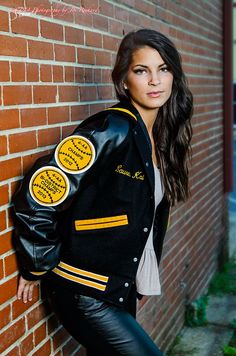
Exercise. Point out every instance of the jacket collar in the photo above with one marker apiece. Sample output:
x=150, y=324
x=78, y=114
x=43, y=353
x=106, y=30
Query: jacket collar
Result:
x=142, y=138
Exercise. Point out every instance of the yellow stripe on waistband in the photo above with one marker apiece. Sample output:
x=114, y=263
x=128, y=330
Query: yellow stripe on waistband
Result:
x=124, y=110
x=79, y=280
x=82, y=272
x=100, y=223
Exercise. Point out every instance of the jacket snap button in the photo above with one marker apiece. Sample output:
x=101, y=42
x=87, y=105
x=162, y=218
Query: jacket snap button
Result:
x=121, y=300
x=147, y=164
x=135, y=259
x=126, y=284
x=145, y=229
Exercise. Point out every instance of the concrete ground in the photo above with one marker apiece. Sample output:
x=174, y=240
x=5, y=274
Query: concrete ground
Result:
x=221, y=311
x=209, y=340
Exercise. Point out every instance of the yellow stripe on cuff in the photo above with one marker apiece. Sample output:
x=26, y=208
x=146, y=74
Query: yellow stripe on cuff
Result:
x=38, y=273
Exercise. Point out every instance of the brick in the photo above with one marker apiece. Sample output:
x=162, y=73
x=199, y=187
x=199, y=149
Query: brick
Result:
x=14, y=95
x=100, y=22
x=64, y=53
x=44, y=94
x=7, y=291
x=79, y=112
x=4, y=71
x=5, y=316
x=26, y=345
x=32, y=72
x=63, y=12
x=70, y=348
x=4, y=24
x=9, y=119
x=13, y=333
x=40, y=50
x=13, y=46
x=29, y=160
x=57, y=73
x=3, y=223
x=10, y=217
x=44, y=350
x=93, y=39
x=36, y=315
x=22, y=142
x=110, y=43
x=88, y=93
x=39, y=334
x=43, y=8
x=12, y=3
x=74, y=35
x=79, y=74
x=24, y=25
x=18, y=72
x=116, y=28
x=68, y=93
x=1, y=272
x=86, y=56
x=59, y=337
x=45, y=73
x=3, y=145
x=51, y=30
x=106, y=9
x=85, y=19
x=33, y=117
x=103, y=58
x=69, y=74
x=58, y=114
x=53, y=324
x=4, y=194
x=49, y=136
x=20, y=308
x=104, y=92
x=68, y=130
x=5, y=242
x=14, y=352
x=10, y=264
x=10, y=168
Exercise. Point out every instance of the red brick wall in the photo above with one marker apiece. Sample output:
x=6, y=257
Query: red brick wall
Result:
x=55, y=70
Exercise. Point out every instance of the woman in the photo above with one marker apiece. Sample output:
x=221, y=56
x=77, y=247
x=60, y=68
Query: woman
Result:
x=91, y=217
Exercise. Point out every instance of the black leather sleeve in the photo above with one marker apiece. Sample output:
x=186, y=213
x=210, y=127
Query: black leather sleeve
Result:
x=50, y=186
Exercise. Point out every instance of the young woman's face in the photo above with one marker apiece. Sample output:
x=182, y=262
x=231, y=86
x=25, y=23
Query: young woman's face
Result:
x=148, y=80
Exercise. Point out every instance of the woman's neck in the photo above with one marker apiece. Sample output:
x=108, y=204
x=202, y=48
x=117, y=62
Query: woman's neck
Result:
x=148, y=116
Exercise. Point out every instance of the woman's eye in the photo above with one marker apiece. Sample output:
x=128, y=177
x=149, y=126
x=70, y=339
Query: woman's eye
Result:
x=139, y=71
x=164, y=69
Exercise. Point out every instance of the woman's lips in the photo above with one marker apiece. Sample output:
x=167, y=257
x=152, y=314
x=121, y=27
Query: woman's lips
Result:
x=155, y=94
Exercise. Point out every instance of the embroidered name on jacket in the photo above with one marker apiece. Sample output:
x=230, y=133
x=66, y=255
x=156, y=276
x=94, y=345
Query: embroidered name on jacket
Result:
x=136, y=175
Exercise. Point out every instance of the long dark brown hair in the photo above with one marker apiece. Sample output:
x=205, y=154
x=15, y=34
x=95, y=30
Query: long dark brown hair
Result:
x=172, y=131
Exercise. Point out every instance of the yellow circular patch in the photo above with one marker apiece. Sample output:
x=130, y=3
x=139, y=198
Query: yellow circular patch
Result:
x=75, y=154
x=49, y=186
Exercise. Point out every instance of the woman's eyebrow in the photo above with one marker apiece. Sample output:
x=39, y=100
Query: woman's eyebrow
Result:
x=144, y=66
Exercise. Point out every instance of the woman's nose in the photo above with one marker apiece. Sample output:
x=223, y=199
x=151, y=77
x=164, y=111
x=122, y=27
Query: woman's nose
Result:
x=154, y=79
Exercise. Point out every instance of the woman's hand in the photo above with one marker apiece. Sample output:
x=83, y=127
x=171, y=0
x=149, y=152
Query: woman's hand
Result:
x=25, y=289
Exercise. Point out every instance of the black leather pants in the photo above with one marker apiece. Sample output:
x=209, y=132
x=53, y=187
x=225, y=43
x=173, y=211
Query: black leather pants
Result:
x=104, y=329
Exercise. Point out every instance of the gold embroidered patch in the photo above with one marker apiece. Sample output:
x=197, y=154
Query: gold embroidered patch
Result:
x=49, y=186
x=75, y=154
x=136, y=175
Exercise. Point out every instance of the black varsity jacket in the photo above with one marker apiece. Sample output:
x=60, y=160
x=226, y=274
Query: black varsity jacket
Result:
x=84, y=212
